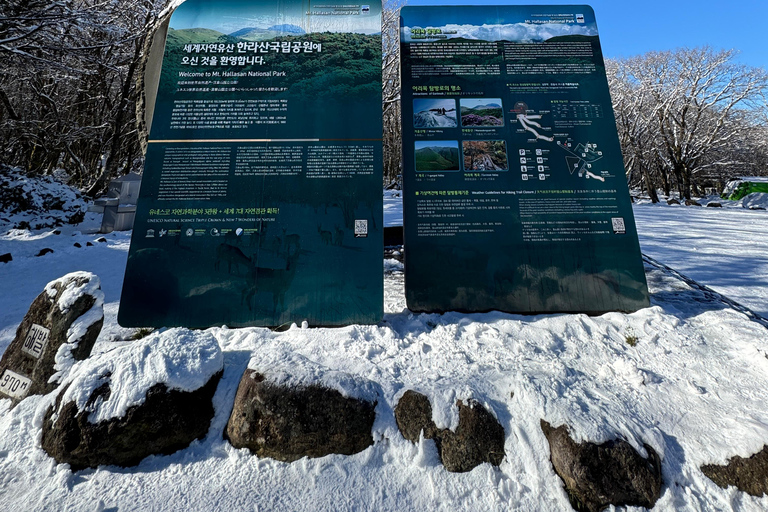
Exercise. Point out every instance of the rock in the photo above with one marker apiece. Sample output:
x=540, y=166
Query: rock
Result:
x=597, y=476
x=748, y=475
x=672, y=201
x=478, y=438
x=5, y=258
x=56, y=231
x=151, y=396
x=290, y=422
x=101, y=240
x=44, y=251
x=77, y=217
x=88, y=244
x=691, y=202
x=167, y=421
x=413, y=414
x=61, y=326
x=714, y=205
x=77, y=244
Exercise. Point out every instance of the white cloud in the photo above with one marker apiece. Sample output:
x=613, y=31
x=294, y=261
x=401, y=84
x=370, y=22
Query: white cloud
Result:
x=521, y=32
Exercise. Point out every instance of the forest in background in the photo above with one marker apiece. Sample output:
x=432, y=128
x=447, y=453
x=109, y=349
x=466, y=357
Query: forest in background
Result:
x=71, y=86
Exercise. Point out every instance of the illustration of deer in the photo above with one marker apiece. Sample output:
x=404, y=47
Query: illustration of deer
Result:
x=291, y=244
x=233, y=256
x=338, y=235
x=325, y=236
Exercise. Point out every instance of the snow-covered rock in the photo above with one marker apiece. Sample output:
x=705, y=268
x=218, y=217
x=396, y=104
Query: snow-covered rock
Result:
x=61, y=327
x=37, y=202
x=145, y=397
x=287, y=420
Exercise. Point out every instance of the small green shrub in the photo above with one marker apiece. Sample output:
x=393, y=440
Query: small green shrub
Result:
x=630, y=337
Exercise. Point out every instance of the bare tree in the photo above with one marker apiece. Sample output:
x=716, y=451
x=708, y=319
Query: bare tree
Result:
x=697, y=94
x=691, y=112
x=390, y=91
x=634, y=118
x=67, y=75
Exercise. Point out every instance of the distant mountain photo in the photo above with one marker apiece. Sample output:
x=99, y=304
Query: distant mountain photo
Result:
x=287, y=28
x=481, y=112
x=434, y=113
x=263, y=34
x=435, y=156
x=193, y=36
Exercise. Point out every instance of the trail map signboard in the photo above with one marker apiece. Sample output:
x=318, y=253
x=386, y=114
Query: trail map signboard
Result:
x=261, y=199
x=515, y=197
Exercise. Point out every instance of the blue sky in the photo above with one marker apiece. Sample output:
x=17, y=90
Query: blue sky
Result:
x=227, y=16
x=632, y=28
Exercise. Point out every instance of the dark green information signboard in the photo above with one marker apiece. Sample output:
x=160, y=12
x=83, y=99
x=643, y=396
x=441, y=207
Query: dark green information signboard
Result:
x=261, y=198
x=515, y=196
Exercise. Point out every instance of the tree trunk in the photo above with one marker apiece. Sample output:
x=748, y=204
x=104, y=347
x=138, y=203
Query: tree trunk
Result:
x=650, y=185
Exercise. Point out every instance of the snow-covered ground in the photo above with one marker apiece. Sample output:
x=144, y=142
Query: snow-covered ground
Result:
x=694, y=387
x=725, y=249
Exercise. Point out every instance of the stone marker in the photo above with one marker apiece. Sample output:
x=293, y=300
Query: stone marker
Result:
x=748, y=475
x=61, y=326
x=478, y=438
x=597, y=476
x=290, y=422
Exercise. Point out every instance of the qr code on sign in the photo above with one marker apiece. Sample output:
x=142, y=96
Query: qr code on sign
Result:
x=618, y=226
x=361, y=228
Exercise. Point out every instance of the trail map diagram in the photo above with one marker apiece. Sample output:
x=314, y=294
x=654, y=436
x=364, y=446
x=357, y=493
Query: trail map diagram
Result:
x=581, y=158
x=529, y=124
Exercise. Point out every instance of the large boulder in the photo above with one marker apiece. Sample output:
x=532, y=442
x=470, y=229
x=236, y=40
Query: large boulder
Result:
x=151, y=396
x=749, y=475
x=288, y=421
x=61, y=326
x=611, y=473
x=478, y=438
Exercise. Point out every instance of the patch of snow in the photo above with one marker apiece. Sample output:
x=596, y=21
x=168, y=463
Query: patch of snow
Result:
x=393, y=208
x=283, y=367
x=91, y=285
x=80, y=326
x=725, y=248
x=392, y=265
x=754, y=200
x=63, y=362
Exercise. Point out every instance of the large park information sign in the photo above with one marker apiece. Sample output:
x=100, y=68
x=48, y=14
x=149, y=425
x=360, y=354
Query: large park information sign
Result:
x=261, y=199
x=515, y=197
